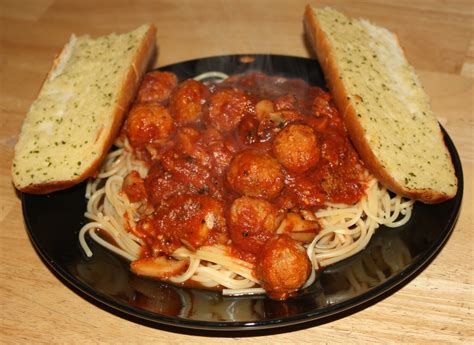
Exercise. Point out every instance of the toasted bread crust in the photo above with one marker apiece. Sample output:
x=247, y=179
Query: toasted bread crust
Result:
x=323, y=50
x=127, y=94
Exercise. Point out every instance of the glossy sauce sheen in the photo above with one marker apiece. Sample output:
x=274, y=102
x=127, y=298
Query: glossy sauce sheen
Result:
x=229, y=160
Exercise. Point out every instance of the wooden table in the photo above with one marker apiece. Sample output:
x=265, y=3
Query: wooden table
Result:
x=437, y=306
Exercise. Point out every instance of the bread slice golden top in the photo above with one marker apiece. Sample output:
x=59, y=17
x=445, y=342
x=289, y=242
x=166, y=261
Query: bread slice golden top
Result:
x=386, y=111
x=71, y=125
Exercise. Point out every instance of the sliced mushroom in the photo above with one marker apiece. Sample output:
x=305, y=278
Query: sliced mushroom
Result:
x=298, y=228
x=160, y=267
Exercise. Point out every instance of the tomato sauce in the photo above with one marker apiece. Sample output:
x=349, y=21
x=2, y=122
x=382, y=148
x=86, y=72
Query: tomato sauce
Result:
x=337, y=177
x=228, y=161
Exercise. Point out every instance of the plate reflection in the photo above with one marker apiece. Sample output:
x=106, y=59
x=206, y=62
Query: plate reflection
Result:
x=106, y=273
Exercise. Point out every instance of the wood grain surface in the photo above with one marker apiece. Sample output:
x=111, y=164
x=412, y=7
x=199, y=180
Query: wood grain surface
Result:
x=36, y=307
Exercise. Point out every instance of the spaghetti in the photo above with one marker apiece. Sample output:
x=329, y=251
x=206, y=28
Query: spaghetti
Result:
x=345, y=229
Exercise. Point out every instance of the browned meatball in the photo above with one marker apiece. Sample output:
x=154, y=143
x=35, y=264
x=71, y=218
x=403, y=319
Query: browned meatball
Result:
x=192, y=218
x=156, y=87
x=252, y=222
x=227, y=108
x=187, y=102
x=188, y=172
x=282, y=266
x=220, y=156
x=256, y=174
x=161, y=186
x=296, y=148
x=188, y=143
x=148, y=124
x=189, y=220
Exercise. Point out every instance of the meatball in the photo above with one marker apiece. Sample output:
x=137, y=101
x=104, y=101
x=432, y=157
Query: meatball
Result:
x=208, y=148
x=189, y=220
x=192, y=218
x=255, y=174
x=187, y=102
x=156, y=87
x=148, y=124
x=296, y=148
x=161, y=186
x=282, y=266
x=188, y=171
x=251, y=223
x=189, y=145
x=227, y=107
x=220, y=156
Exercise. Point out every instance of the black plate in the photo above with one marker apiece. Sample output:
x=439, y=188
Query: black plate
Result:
x=54, y=221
